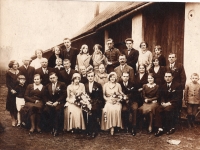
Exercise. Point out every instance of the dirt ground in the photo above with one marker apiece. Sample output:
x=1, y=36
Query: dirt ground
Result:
x=14, y=138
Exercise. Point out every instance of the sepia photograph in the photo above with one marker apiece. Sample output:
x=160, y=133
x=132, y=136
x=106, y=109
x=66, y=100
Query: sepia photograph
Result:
x=90, y=75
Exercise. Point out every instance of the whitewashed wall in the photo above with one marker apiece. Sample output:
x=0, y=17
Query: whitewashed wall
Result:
x=192, y=39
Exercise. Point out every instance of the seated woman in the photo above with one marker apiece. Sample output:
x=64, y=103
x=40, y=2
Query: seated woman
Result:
x=55, y=54
x=36, y=62
x=150, y=95
x=101, y=76
x=34, y=104
x=73, y=116
x=83, y=58
x=111, y=114
x=98, y=58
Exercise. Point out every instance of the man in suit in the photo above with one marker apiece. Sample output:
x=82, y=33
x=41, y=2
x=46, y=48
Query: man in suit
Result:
x=54, y=97
x=27, y=70
x=67, y=73
x=123, y=67
x=130, y=106
x=170, y=96
x=178, y=72
x=44, y=71
x=94, y=90
x=69, y=52
x=112, y=55
x=131, y=54
x=83, y=72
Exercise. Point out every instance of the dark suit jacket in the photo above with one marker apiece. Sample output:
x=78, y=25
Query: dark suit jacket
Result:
x=179, y=74
x=60, y=93
x=45, y=77
x=72, y=55
x=96, y=95
x=132, y=58
x=130, y=90
x=173, y=95
x=28, y=73
x=139, y=83
x=126, y=68
x=84, y=79
x=65, y=77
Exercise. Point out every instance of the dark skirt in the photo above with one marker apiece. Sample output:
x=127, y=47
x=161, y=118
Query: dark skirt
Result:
x=29, y=109
x=148, y=107
x=11, y=102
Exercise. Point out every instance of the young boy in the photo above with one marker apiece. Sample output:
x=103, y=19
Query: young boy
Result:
x=20, y=91
x=192, y=99
x=59, y=65
x=159, y=56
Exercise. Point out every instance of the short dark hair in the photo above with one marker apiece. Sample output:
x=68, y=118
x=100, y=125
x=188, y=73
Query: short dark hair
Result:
x=129, y=39
x=172, y=53
x=51, y=73
x=152, y=75
x=169, y=71
x=145, y=43
x=109, y=39
x=67, y=39
x=122, y=55
x=37, y=75
x=126, y=73
x=65, y=60
x=11, y=63
x=158, y=47
x=145, y=67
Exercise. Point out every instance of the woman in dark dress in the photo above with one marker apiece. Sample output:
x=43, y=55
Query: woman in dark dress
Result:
x=56, y=54
x=158, y=71
x=34, y=104
x=150, y=95
x=11, y=81
x=140, y=80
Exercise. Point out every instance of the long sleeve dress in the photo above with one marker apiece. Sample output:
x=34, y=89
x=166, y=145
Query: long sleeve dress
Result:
x=32, y=94
x=96, y=60
x=145, y=58
x=111, y=111
x=73, y=115
x=11, y=82
x=150, y=92
x=101, y=78
x=83, y=60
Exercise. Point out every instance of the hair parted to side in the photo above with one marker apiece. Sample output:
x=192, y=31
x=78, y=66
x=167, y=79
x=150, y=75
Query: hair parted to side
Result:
x=194, y=74
x=145, y=43
x=67, y=39
x=11, y=63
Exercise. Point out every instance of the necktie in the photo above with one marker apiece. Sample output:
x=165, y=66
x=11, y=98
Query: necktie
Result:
x=129, y=51
x=168, y=86
x=171, y=66
x=53, y=88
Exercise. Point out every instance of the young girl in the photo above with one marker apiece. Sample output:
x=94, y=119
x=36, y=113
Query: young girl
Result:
x=192, y=98
x=83, y=58
x=20, y=91
x=159, y=56
x=98, y=58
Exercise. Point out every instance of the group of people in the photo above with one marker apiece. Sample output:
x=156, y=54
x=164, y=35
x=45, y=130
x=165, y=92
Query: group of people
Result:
x=124, y=87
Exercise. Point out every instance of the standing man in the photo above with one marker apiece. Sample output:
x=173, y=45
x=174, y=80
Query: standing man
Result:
x=44, y=71
x=27, y=70
x=131, y=54
x=171, y=94
x=67, y=73
x=123, y=67
x=112, y=55
x=178, y=72
x=129, y=89
x=94, y=90
x=69, y=52
x=54, y=97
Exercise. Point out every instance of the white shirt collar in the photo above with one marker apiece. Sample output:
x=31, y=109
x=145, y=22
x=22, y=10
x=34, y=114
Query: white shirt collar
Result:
x=26, y=66
x=39, y=87
x=169, y=84
x=59, y=66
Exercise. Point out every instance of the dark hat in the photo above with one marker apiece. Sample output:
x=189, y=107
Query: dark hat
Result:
x=129, y=39
x=21, y=77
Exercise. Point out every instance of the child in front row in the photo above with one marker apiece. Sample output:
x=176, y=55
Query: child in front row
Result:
x=20, y=91
x=159, y=56
x=192, y=99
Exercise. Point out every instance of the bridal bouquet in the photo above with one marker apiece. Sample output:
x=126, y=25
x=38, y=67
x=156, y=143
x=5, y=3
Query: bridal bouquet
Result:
x=83, y=100
x=119, y=97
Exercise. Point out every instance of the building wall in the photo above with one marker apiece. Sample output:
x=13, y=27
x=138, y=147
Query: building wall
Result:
x=191, y=39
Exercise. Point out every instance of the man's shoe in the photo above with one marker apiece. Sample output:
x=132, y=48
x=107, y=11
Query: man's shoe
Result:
x=171, y=131
x=93, y=135
x=158, y=133
x=133, y=132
